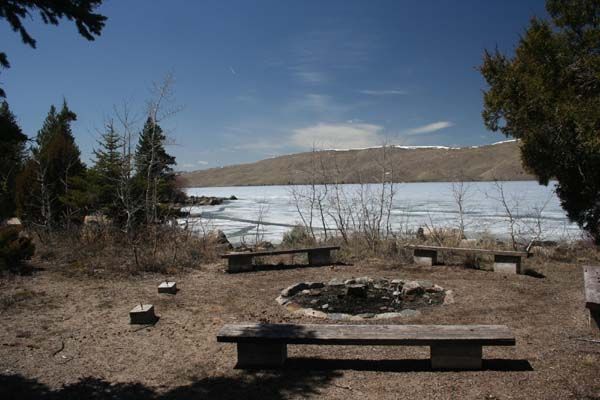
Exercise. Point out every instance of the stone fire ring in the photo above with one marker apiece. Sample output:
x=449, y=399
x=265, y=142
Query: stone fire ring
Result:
x=285, y=298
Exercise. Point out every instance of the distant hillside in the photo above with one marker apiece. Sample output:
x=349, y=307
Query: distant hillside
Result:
x=410, y=164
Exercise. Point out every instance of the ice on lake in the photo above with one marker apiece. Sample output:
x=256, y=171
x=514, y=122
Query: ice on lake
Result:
x=535, y=207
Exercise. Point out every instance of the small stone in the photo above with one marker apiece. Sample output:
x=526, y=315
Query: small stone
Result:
x=305, y=291
x=396, y=293
x=435, y=289
x=409, y=313
x=397, y=282
x=309, y=312
x=449, y=297
x=338, y=316
x=314, y=292
x=388, y=315
x=349, y=281
x=292, y=290
x=325, y=306
x=282, y=300
x=356, y=290
x=425, y=284
x=292, y=307
x=336, y=282
x=315, y=285
x=364, y=279
x=412, y=288
x=314, y=301
x=366, y=315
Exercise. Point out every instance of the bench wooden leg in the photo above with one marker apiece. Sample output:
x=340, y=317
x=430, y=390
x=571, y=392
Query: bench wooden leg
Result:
x=239, y=264
x=460, y=356
x=319, y=257
x=253, y=355
x=507, y=264
x=425, y=257
x=595, y=320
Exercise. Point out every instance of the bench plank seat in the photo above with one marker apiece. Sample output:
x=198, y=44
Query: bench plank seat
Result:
x=452, y=346
x=505, y=261
x=515, y=253
x=356, y=335
x=242, y=261
x=591, y=279
x=277, y=252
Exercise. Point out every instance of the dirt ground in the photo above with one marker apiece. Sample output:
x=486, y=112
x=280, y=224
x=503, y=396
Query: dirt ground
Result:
x=67, y=336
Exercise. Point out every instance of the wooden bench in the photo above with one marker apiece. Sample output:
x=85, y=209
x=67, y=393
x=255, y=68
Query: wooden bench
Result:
x=505, y=261
x=452, y=346
x=242, y=261
x=591, y=279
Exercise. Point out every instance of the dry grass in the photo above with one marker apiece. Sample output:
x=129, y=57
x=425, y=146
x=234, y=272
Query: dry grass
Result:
x=84, y=342
x=107, y=252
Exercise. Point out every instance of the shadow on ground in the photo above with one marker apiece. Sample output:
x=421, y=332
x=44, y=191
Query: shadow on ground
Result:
x=281, y=266
x=417, y=365
x=275, y=385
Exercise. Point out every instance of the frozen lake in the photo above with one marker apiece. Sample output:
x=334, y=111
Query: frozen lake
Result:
x=415, y=204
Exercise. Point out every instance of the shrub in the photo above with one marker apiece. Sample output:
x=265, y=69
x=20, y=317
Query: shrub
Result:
x=14, y=248
x=298, y=236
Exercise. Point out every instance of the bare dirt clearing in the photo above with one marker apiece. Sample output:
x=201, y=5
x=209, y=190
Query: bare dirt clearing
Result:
x=69, y=337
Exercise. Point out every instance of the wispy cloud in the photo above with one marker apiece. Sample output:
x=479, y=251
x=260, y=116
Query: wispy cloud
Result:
x=260, y=144
x=246, y=98
x=317, y=54
x=338, y=136
x=202, y=162
x=308, y=76
x=388, y=92
x=433, y=127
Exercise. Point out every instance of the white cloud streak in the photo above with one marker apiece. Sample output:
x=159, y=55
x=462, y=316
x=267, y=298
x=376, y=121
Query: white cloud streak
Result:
x=338, y=136
x=433, y=127
x=388, y=92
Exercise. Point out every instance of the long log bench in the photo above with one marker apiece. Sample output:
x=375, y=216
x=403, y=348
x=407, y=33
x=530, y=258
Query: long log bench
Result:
x=452, y=346
x=242, y=261
x=591, y=279
x=505, y=261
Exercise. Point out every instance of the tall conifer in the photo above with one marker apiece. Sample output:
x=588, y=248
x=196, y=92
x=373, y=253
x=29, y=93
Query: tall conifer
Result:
x=153, y=168
x=12, y=149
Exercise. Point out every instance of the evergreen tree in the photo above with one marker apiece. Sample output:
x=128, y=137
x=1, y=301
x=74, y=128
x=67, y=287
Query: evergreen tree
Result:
x=12, y=149
x=153, y=169
x=52, y=186
x=107, y=173
x=548, y=96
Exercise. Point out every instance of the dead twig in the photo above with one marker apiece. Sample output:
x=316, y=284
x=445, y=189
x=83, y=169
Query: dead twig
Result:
x=586, y=340
x=62, y=347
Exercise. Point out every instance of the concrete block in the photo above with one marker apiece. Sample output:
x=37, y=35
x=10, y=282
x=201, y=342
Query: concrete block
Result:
x=240, y=264
x=167, y=287
x=507, y=264
x=319, y=257
x=456, y=356
x=254, y=355
x=142, y=314
x=426, y=258
x=595, y=321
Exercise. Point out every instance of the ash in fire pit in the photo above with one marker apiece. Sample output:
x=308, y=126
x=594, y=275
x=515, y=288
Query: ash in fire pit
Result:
x=362, y=298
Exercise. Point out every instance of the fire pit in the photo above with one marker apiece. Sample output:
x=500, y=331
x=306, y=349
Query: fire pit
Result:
x=362, y=298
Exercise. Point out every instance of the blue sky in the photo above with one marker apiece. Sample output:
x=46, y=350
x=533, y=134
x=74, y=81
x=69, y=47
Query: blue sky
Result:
x=255, y=79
